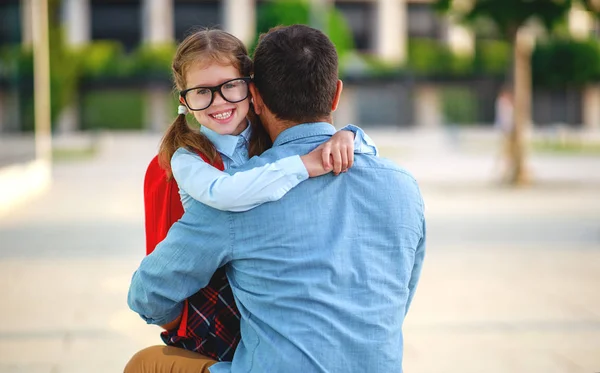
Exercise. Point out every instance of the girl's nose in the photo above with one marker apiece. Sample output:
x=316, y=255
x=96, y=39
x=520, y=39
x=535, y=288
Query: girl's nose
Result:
x=218, y=99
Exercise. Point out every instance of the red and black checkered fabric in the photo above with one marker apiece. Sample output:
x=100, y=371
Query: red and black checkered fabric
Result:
x=213, y=321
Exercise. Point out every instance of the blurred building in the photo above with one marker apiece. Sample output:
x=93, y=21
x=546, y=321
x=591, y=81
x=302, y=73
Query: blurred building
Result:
x=383, y=28
x=380, y=26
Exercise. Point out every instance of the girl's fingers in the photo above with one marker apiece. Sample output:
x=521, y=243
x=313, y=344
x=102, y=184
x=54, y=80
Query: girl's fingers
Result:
x=337, y=161
x=350, y=154
x=344, y=154
x=326, y=155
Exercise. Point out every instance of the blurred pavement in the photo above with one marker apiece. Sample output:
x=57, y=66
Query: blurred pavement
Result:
x=511, y=281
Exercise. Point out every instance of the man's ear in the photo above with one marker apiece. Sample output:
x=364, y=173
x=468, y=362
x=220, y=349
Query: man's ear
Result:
x=256, y=99
x=338, y=94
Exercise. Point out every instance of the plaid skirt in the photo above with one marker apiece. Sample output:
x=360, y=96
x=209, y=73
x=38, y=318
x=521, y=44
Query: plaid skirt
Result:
x=210, y=322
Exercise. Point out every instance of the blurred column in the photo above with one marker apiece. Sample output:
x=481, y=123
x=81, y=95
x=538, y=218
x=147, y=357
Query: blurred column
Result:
x=26, y=27
x=391, y=30
x=41, y=81
x=460, y=39
x=157, y=21
x=239, y=19
x=158, y=28
x=77, y=21
x=581, y=25
x=21, y=181
x=428, y=110
x=591, y=108
x=580, y=22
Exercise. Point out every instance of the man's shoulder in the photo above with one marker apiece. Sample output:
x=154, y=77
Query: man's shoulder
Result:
x=369, y=163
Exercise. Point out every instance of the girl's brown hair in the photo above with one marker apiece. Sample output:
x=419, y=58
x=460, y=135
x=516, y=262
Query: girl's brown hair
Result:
x=204, y=47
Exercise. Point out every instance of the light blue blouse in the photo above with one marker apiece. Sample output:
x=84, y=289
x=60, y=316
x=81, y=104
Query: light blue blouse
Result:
x=244, y=190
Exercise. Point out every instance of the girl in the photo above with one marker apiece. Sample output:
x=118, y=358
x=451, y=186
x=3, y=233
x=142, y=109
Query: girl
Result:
x=212, y=71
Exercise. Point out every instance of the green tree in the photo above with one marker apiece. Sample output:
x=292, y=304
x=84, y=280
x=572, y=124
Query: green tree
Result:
x=290, y=12
x=509, y=17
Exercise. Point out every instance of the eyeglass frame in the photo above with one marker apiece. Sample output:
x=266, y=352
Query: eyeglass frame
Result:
x=216, y=88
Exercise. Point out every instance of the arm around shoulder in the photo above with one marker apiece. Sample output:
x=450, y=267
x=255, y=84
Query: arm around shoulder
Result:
x=241, y=191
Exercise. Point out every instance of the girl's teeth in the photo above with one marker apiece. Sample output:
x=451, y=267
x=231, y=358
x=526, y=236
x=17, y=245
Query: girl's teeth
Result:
x=223, y=115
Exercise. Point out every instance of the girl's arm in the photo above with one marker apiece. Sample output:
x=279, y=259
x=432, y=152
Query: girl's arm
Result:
x=241, y=191
x=248, y=189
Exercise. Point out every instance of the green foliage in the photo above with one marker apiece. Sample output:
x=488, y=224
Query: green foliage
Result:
x=65, y=67
x=15, y=62
x=282, y=13
x=340, y=33
x=492, y=57
x=430, y=57
x=370, y=65
x=103, y=59
x=113, y=109
x=424, y=56
x=509, y=15
x=290, y=12
x=559, y=63
x=153, y=60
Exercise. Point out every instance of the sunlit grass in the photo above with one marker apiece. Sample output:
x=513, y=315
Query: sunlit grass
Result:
x=74, y=154
x=565, y=147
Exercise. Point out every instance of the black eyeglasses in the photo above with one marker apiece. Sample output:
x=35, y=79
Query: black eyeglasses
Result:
x=200, y=98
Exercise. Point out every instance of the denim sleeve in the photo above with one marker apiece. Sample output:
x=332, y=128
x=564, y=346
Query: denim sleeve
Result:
x=363, y=144
x=241, y=191
x=183, y=263
x=417, y=267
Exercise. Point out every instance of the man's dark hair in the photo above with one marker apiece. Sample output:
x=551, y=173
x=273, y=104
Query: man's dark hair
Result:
x=296, y=73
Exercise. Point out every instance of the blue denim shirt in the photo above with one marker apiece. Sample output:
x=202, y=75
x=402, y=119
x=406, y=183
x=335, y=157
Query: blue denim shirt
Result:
x=323, y=277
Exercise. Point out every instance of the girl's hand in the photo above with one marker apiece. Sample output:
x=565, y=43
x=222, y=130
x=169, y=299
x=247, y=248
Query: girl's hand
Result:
x=338, y=152
x=335, y=155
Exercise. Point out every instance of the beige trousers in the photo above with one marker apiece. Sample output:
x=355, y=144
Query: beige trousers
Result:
x=168, y=359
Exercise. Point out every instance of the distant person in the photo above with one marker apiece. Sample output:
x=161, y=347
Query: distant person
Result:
x=504, y=123
x=324, y=276
x=212, y=71
x=504, y=117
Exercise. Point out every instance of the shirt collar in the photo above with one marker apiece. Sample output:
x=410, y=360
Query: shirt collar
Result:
x=304, y=130
x=226, y=144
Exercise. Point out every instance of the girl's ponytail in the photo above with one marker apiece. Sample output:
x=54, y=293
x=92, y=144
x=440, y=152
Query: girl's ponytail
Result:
x=180, y=135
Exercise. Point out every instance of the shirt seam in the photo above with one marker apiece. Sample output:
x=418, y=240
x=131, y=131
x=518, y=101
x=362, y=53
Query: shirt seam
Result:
x=303, y=136
x=231, y=236
x=406, y=173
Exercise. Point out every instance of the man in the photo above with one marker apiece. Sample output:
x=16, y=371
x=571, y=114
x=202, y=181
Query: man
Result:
x=323, y=277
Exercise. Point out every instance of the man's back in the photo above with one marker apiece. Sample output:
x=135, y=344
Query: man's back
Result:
x=323, y=277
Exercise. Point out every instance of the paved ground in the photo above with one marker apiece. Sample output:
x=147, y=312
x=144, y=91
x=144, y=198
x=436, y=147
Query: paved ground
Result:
x=511, y=282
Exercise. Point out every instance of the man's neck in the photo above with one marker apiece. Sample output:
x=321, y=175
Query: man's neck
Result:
x=276, y=126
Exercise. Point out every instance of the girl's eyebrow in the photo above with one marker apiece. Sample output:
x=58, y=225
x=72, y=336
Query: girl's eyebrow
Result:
x=210, y=86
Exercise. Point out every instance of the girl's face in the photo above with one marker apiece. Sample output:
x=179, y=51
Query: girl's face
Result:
x=223, y=117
